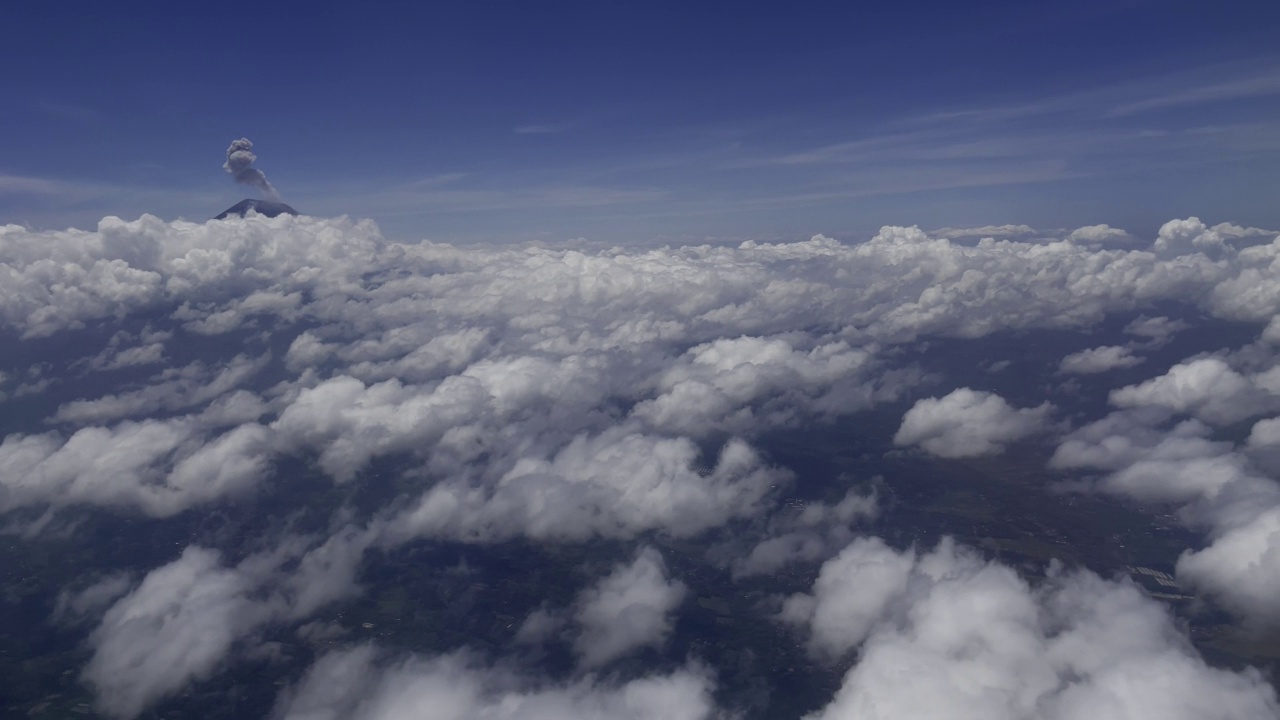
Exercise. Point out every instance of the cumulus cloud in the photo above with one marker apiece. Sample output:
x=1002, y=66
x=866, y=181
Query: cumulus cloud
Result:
x=412, y=353
x=125, y=350
x=353, y=683
x=617, y=484
x=160, y=467
x=1238, y=566
x=1265, y=433
x=1180, y=237
x=810, y=533
x=354, y=422
x=628, y=609
x=1207, y=388
x=176, y=626
x=1247, y=295
x=171, y=390
x=744, y=383
x=1178, y=466
x=1158, y=330
x=852, y=593
x=62, y=280
x=183, y=620
x=968, y=423
x=946, y=634
x=1271, y=333
x=563, y=394
x=540, y=625
x=906, y=283
x=1098, y=235
x=279, y=307
x=1098, y=360
x=1263, y=444
x=1218, y=486
x=73, y=606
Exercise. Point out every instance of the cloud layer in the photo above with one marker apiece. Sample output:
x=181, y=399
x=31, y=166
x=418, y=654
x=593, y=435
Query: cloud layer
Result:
x=352, y=683
x=948, y=634
x=628, y=399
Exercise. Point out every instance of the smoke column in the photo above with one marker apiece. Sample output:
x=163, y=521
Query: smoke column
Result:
x=239, y=163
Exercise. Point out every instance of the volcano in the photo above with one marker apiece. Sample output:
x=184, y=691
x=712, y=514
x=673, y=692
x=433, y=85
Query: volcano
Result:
x=269, y=208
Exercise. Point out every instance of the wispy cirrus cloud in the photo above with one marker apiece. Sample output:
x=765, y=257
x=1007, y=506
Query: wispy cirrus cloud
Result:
x=68, y=111
x=1264, y=84
x=1098, y=120
x=542, y=128
x=24, y=185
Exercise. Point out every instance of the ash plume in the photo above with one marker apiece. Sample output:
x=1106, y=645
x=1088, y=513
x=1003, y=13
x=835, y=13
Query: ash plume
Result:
x=239, y=163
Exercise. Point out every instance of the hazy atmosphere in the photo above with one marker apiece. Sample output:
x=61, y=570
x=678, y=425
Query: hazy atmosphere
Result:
x=652, y=361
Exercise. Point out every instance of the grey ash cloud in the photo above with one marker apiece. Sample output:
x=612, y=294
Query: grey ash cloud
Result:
x=239, y=164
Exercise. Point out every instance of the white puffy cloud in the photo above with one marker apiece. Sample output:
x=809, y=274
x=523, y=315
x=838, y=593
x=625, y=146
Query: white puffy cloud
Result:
x=470, y=351
x=279, y=306
x=352, y=683
x=238, y=407
x=79, y=604
x=1219, y=487
x=157, y=467
x=1158, y=330
x=617, y=484
x=1098, y=235
x=60, y=280
x=1180, y=465
x=173, y=389
x=1121, y=438
x=808, y=534
x=852, y=593
x=1240, y=566
x=1265, y=433
x=353, y=422
x=1271, y=333
x=716, y=386
x=183, y=620
x=223, y=273
x=1098, y=360
x=1207, y=388
x=968, y=423
x=413, y=353
x=540, y=625
x=126, y=349
x=1249, y=294
x=178, y=625
x=949, y=635
x=562, y=394
x=628, y=609
x=1181, y=237
x=1263, y=444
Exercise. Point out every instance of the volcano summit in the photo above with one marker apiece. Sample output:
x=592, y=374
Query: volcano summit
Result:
x=269, y=208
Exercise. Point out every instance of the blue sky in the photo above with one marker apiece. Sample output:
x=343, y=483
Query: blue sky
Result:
x=630, y=122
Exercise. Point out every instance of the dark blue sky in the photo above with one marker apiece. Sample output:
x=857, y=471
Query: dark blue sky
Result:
x=624, y=122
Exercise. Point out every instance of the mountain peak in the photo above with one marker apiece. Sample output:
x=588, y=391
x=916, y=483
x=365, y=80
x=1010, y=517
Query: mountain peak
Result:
x=269, y=208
